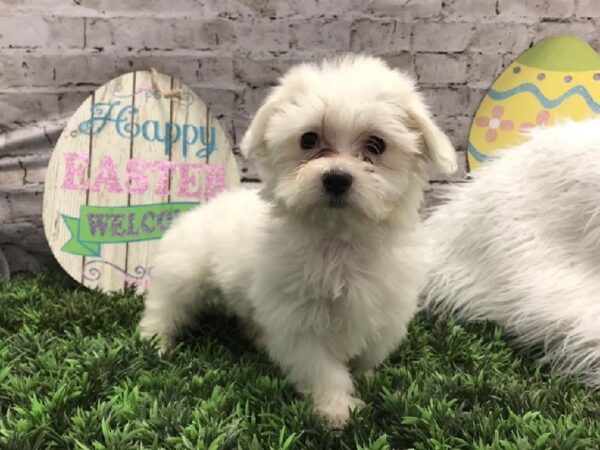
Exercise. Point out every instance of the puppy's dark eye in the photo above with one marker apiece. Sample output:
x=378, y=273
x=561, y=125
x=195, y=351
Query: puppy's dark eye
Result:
x=375, y=145
x=309, y=140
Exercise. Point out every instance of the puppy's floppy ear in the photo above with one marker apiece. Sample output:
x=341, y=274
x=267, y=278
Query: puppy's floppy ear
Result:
x=253, y=142
x=439, y=150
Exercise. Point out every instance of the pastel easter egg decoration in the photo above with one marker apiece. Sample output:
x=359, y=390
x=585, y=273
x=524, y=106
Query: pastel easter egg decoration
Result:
x=138, y=152
x=557, y=79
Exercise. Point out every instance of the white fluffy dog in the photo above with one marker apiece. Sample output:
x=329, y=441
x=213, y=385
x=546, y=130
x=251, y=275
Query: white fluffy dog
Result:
x=325, y=264
x=520, y=245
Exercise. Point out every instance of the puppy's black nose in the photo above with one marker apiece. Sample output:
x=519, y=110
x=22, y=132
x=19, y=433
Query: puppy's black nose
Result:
x=337, y=181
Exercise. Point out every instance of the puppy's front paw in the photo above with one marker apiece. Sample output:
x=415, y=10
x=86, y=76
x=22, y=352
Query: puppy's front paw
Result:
x=165, y=342
x=336, y=411
x=367, y=374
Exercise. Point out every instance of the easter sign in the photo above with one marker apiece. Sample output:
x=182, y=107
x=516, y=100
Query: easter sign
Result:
x=140, y=151
x=557, y=79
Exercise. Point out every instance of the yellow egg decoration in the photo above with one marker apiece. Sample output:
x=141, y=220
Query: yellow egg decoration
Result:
x=556, y=79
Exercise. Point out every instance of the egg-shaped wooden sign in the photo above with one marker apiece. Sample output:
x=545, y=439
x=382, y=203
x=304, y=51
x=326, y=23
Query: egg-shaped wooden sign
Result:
x=138, y=152
x=557, y=79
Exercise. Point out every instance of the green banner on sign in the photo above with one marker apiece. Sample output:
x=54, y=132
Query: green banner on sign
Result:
x=98, y=225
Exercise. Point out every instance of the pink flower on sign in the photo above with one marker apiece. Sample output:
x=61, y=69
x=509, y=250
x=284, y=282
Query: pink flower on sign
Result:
x=494, y=123
x=542, y=118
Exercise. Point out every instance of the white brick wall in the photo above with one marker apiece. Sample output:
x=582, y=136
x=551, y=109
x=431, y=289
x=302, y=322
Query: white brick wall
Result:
x=53, y=53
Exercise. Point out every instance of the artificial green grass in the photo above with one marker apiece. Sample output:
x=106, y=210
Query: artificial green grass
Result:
x=73, y=374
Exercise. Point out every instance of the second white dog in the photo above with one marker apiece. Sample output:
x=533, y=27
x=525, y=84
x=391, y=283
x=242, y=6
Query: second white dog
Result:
x=325, y=265
x=520, y=245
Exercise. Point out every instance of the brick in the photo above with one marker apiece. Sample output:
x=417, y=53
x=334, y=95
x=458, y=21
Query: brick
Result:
x=88, y=69
x=34, y=31
x=329, y=34
x=584, y=30
x=501, y=38
x=27, y=107
x=441, y=68
x=404, y=61
x=19, y=6
x=27, y=204
x=19, y=259
x=300, y=8
x=457, y=128
x=434, y=196
x=214, y=72
x=240, y=120
x=253, y=98
x=588, y=8
x=24, y=70
x=91, y=8
x=23, y=107
x=251, y=185
x=6, y=215
x=69, y=101
x=263, y=36
x=447, y=101
x=28, y=234
x=595, y=40
x=160, y=34
x=220, y=101
x=405, y=9
x=58, y=69
x=442, y=37
x=227, y=125
x=35, y=167
x=245, y=8
x=384, y=36
x=22, y=178
x=469, y=9
x=100, y=68
x=35, y=139
x=12, y=174
x=248, y=170
x=484, y=69
x=146, y=7
x=475, y=97
x=537, y=8
x=312, y=8
x=261, y=71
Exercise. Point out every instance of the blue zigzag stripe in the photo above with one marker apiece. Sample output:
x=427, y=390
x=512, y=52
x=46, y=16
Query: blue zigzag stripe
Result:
x=475, y=153
x=546, y=102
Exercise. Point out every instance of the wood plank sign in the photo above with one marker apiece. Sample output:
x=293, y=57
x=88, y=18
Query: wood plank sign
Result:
x=139, y=151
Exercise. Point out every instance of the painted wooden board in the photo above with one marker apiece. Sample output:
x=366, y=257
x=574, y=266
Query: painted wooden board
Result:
x=139, y=151
x=556, y=79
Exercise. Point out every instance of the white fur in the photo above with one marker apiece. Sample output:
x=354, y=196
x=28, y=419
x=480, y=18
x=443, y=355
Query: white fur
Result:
x=520, y=245
x=322, y=288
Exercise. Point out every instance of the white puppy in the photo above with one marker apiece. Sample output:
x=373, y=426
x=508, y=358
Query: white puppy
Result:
x=520, y=245
x=325, y=265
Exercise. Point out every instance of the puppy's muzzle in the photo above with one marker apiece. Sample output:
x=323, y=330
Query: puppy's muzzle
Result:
x=337, y=182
